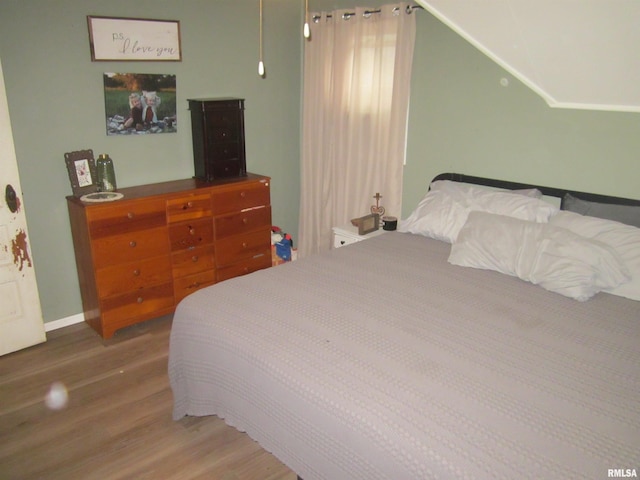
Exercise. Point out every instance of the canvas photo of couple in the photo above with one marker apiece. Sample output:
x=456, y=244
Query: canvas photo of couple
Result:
x=140, y=103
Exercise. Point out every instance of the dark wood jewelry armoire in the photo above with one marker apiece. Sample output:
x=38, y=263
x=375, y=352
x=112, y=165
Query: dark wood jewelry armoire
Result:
x=217, y=127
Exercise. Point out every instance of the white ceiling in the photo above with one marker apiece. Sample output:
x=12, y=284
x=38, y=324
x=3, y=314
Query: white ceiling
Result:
x=573, y=53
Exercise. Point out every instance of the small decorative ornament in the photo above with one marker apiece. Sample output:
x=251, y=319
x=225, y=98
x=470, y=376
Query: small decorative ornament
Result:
x=377, y=208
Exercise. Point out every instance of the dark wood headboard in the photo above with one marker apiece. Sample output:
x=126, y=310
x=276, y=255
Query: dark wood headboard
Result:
x=550, y=191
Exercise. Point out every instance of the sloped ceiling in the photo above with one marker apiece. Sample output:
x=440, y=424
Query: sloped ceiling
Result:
x=574, y=53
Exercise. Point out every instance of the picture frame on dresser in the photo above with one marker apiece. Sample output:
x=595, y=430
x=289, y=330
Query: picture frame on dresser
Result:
x=368, y=223
x=81, y=168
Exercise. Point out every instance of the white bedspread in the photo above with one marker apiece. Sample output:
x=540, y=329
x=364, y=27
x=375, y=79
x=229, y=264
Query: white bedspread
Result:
x=379, y=360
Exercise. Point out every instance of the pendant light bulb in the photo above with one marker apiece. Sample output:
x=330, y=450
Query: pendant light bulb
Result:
x=305, y=31
x=260, y=63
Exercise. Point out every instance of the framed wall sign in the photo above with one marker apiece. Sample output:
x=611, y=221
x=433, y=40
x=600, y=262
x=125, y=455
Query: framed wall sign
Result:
x=81, y=167
x=136, y=39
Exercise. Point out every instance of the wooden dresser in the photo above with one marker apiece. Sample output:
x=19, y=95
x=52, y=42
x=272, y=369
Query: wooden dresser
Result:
x=137, y=257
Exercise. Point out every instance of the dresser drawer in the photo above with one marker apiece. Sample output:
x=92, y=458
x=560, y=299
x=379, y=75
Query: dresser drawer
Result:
x=242, y=222
x=191, y=234
x=193, y=261
x=223, y=134
x=243, y=267
x=117, y=309
x=188, y=208
x=133, y=276
x=112, y=219
x=249, y=196
x=225, y=151
x=225, y=168
x=223, y=116
x=129, y=247
x=231, y=250
x=187, y=285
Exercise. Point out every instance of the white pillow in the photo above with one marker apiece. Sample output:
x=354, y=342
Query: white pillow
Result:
x=552, y=257
x=444, y=209
x=529, y=192
x=624, y=239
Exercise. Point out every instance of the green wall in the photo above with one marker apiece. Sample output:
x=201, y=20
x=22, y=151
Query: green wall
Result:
x=56, y=103
x=462, y=119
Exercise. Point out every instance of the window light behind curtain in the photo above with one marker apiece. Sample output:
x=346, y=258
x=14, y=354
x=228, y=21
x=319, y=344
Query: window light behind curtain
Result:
x=357, y=72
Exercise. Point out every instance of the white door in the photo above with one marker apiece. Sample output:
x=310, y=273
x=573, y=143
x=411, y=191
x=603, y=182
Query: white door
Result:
x=21, y=322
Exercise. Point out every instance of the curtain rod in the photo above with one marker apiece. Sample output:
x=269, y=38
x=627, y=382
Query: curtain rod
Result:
x=346, y=16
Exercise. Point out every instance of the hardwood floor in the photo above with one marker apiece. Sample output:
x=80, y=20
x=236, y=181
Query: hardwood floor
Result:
x=117, y=424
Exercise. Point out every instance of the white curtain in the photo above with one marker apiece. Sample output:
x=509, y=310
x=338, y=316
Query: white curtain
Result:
x=357, y=72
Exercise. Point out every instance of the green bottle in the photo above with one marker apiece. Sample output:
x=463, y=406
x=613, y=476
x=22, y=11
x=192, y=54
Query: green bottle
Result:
x=106, y=174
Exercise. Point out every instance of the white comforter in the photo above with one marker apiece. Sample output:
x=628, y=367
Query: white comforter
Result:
x=380, y=360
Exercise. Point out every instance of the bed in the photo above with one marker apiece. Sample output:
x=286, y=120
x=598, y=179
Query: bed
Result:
x=384, y=359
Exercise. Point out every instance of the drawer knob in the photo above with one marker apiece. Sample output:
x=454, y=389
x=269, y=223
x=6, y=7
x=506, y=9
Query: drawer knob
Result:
x=136, y=273
x=140, y=300
x=132, y=243
x=187, y=205
x=194, y=258
x=342, y=242
x=244, y=244
x=243, y=194
x=192, y=230
x=130, y=215
x=245, y=220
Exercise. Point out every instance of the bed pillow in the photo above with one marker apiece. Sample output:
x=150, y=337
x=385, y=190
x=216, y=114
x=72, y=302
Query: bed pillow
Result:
x=554, y=258
x=529, y=192
x=444, y=209
x=624, y=239
x=627, y=214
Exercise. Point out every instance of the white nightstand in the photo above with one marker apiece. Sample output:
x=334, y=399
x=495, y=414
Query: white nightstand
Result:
x=347, y=234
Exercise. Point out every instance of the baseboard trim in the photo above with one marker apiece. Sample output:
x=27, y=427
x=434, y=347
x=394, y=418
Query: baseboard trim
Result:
x=63, y=322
